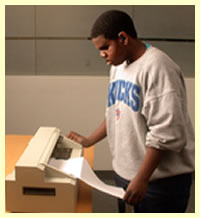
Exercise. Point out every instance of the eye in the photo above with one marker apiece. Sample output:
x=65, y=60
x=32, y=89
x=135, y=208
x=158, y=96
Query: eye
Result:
x=105, y=47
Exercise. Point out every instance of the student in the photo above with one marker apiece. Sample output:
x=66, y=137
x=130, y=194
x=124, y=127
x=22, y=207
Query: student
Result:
x=147, y=124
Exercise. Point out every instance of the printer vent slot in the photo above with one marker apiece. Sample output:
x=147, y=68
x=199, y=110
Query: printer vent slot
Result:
x=39, y=191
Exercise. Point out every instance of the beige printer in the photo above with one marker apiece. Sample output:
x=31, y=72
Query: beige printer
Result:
x=36, y=186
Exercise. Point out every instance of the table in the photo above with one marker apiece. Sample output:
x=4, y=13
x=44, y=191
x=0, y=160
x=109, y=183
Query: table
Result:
x=15, y=146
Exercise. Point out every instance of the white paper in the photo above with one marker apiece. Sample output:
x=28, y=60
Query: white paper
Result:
x=79, y=168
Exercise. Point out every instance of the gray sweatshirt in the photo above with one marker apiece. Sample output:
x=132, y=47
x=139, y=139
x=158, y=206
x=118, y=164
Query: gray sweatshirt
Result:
x=147, y=107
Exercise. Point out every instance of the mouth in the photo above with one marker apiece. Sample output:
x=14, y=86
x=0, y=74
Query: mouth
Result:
x=108, y=62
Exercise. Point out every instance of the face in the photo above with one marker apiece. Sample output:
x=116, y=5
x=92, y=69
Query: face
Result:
x=112, y=51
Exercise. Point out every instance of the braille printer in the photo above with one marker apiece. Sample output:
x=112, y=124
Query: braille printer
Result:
x=36, y=186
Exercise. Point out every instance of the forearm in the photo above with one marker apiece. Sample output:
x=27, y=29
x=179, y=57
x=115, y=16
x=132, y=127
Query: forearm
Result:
x=150, y=163
x=98, y=134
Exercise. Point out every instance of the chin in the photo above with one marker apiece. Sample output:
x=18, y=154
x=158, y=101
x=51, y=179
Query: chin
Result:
x=117, y=64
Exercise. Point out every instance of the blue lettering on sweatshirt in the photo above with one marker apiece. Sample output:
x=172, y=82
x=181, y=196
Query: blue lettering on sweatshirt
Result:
x=124, y=91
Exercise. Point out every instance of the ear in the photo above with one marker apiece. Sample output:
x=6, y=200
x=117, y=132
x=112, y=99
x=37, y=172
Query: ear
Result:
x=123, y=37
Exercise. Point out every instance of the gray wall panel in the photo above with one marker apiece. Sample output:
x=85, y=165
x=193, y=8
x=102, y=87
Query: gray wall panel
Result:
x=79, y=57
x=165, y=21
x=20, y=57
x=75, y=57
x=20, y=20
x=70, y=20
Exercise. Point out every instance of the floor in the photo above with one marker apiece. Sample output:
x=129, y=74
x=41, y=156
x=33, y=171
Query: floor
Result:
x=103, y=203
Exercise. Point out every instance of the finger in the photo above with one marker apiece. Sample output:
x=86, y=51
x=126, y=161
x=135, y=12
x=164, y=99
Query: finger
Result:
x=126, y=196
x=134, y=199
x=72, y=135
x=131, y=198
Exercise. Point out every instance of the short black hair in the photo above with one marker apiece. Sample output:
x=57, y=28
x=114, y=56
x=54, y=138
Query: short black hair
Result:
x=111, y=22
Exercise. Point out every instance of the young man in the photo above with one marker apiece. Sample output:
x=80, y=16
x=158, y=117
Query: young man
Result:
x=147, y=124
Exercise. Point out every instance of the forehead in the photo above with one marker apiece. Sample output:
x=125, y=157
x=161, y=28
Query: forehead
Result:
x=101, y=41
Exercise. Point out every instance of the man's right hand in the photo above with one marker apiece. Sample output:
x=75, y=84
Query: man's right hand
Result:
x=97, y=135
x=80, y=139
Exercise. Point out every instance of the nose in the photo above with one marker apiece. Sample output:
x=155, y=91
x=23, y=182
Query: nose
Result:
x=103, y=54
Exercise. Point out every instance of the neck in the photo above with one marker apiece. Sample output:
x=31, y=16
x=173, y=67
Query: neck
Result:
x=137, y=49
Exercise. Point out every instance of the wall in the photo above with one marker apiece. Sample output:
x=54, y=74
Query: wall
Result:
x=65, y=102
x=53, y=40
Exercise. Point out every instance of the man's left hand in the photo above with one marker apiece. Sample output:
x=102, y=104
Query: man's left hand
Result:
x=135, y=191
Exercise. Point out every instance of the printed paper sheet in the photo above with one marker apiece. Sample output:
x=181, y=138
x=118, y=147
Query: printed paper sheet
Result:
x=80, y=168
